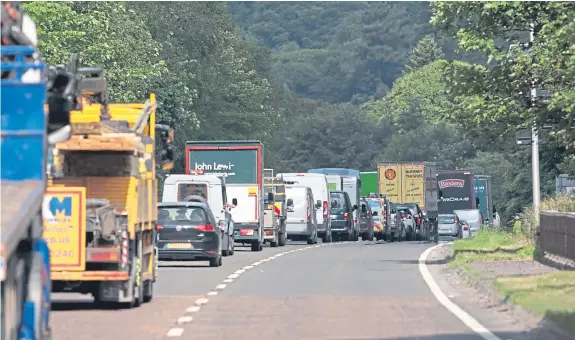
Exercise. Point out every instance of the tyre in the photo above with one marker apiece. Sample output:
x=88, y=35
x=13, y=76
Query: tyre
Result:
x=233, y=249
x=310, y=240
x=148, y=291
x=282, y=239
x=36, y=293
x=315, y=239
x=257, y=245
x=274, y=243
x=216, y=261
x=139, y=270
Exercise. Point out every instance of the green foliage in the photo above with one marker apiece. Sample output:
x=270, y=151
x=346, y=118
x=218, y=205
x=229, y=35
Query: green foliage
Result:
x=439, y=143
x=336, y=52
x=530, y=218
x=497, y=95
x=104, y=34
x=426, y=52
x=417, y=97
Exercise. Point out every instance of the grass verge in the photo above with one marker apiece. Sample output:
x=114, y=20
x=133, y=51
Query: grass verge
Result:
x=551, y=295
x=492, y=245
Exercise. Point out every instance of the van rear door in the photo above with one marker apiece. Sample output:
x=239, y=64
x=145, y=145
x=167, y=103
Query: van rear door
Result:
x=246, y=212
x=298, y=210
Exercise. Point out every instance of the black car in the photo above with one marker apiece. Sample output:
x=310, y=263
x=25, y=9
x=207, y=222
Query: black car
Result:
x=341, y=215
x=188, y=231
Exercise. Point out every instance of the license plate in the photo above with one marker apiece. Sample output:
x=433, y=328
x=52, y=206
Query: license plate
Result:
x=445, y=230
x=180, y=246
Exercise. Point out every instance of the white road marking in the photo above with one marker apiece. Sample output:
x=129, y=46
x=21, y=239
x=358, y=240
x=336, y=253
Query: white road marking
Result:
x=257, y=263
x=193, y=309
x=248, y=267
x=228, y=280
x=185, y=319
x=202, y=301
x=239, y=271
x=462, y=315
x=212, y=293
x=233, y=276
x=221, y=286
x=175, y=332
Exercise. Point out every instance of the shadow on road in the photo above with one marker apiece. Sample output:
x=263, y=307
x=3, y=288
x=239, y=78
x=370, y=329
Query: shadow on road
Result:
x=71, y=305
x=416, y=262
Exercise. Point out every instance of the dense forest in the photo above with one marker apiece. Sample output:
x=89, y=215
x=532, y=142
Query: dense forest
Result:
x=343, y=84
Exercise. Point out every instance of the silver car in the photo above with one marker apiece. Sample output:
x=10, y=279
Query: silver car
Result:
x=448, y=225
x=473, y=218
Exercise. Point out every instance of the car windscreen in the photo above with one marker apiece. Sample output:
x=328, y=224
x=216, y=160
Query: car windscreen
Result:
x=363, y=209
x=412, y=208
x=187, y=189
x=337, y=202
x=469, y=216
x=182, y=215
x=446, y=220
x=376, y=207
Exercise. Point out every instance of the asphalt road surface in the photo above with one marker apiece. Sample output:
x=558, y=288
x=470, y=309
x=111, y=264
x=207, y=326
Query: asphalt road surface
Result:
x=355, y=290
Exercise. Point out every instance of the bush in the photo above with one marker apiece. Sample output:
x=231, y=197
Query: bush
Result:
x=530, y=220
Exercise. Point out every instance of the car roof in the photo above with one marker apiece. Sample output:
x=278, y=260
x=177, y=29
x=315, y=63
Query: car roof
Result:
x=446, y=215
x=184, y=204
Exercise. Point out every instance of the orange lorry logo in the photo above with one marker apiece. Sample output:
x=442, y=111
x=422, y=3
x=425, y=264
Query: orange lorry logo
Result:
x=390, y=174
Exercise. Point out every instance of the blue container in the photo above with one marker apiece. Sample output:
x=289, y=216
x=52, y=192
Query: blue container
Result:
x=24, y=121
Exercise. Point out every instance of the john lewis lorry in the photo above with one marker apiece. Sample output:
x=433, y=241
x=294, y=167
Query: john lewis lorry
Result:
x=242, y=164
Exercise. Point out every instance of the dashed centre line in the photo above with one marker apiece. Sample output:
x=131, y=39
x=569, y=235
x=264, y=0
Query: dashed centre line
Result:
x=178, y=332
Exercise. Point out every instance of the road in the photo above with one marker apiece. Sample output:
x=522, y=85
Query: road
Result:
x=354, y=290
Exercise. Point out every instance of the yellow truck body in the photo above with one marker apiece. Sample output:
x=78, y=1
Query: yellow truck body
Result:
x=402, y=183
x=132, y=196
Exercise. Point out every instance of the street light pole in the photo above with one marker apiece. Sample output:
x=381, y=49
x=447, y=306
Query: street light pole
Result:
x=535, y=140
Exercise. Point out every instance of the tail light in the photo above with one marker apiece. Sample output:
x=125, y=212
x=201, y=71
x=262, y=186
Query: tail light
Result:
x=465, y=228
x=346, y=216
x=325, y=209
x=407, y=217
x=205, y=227
x=159, y=227
x=308, y=212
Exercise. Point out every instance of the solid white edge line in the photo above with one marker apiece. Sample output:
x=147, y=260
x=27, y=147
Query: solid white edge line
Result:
x=462, y=315
x=174, y=332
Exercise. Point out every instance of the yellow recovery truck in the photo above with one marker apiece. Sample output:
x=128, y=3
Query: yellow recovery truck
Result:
x=101, y=201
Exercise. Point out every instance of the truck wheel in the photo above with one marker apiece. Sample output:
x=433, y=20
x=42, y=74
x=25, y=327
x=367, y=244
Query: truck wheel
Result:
x=138, y=292
x=13, y=299
x=36, y=293
x=274, y=242
x=148, y=291
x=282, y=239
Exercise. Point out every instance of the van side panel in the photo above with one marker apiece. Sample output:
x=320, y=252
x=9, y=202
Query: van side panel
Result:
x=319, y=188
x=297, y=222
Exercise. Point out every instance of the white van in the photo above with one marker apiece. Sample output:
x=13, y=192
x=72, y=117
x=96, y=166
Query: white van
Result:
x=301, y=222
x=335, y=182
x=213, y=190
x=320, y=189
x=351, y=185
x=472, y=216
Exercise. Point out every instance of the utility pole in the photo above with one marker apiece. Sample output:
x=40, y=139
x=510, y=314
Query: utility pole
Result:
x=535, y=139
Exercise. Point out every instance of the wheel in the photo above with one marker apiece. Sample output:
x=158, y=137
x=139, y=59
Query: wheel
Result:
x=216, y=261
x=325, y=238
x=148, y=291
x=315, y=238
x=274, y=243
x=139, y=270
x=310, y=240
x=233, y=250
x=12, y=299
x=37, y=293
x=282, y=240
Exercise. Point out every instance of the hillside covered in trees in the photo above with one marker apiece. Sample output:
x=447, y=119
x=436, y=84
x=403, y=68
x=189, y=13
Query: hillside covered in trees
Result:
x=342, y=84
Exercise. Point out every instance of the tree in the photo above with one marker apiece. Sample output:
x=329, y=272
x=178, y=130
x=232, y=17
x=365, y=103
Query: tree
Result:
x=417, y=97
x=426, y=52
x=328, y=135
x=496, y=95
x=439, y=143
x=103, y=34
